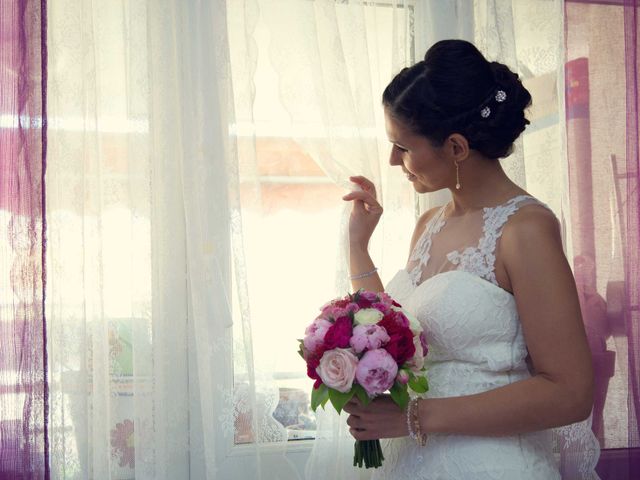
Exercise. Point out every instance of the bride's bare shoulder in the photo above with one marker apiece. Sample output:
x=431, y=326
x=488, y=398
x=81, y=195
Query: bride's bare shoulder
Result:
x=533, y=232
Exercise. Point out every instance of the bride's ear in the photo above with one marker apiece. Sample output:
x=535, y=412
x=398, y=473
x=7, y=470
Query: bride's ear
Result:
x=457, y=147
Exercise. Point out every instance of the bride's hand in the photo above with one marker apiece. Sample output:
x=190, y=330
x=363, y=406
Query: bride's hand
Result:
x=382, y=418
x=365, y=214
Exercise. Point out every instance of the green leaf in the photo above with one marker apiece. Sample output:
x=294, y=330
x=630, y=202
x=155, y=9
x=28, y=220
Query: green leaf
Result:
x=400, y=395
x=419, y=384
x=339, y=399
x=361, y=393
x=318, y=396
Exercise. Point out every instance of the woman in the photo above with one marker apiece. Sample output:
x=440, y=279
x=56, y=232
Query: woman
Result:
x=486, y=277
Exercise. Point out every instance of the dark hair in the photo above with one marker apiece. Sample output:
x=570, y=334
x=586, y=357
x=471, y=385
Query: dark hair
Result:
x=447, y=91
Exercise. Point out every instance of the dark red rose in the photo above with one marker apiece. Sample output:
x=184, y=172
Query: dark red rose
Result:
x=338, y=335
x=400, y=345
x=312, y=364
x=394, y=321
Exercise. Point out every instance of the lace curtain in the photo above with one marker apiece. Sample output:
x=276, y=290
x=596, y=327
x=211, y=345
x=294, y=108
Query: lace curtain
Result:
x=144, y=225
x=23, y=368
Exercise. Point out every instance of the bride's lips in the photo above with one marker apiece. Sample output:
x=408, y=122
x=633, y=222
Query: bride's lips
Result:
x=410, y=176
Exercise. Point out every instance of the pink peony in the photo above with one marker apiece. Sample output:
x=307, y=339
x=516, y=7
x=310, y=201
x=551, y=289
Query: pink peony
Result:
x=368, y=337
x=383, y=307
x=314, y=334
x=370, y=296
x=376, y=371
x=337, y=369
x=386, y=299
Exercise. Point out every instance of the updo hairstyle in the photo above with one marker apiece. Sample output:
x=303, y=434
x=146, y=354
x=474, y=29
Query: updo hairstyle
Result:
x=456, y=90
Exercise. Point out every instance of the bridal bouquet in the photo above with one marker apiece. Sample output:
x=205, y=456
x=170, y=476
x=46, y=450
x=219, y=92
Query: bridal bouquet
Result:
x=364, y=344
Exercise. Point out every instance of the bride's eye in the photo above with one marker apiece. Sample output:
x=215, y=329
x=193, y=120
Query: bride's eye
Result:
x=403, y=150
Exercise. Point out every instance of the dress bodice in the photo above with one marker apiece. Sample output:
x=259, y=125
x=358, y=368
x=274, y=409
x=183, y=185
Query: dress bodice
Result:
x=472, y=329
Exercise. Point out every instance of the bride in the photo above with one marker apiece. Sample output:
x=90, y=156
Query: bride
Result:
x=508, y=359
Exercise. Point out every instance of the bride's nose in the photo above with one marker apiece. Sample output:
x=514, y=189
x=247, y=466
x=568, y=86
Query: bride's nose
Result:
x=395, y=157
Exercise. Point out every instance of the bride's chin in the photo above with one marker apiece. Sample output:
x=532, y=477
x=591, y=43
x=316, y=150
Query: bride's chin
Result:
x=422, y=188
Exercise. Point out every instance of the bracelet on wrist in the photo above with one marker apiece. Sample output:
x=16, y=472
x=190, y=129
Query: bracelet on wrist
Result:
x=364, y=275
x=413, y=423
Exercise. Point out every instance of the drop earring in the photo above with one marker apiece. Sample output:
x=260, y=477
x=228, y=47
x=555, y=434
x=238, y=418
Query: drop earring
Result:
x=458, y=186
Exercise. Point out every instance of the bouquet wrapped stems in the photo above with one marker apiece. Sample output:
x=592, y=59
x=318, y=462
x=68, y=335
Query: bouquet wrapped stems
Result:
x=368, y=452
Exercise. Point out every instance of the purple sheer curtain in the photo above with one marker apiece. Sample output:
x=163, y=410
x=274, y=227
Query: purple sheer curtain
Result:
x=23, y=379
x=602, y=147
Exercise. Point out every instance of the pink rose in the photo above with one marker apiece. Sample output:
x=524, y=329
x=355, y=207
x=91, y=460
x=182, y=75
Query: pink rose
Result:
x=368, y=337
x=314, y=334
x=402, y=377
x=337, y=369
x=376, y=371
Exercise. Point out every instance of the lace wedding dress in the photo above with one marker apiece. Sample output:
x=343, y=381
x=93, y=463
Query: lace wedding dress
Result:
x=475, y=344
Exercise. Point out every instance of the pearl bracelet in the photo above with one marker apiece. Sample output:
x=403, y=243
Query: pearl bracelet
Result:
x=413, y=423
x=363, y=275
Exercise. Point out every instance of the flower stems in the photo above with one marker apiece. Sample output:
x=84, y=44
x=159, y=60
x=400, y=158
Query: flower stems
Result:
x=368, y=452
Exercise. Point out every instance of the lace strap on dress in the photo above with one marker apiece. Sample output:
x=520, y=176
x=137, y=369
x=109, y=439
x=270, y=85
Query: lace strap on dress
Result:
x=494, y=222
x=481, y=260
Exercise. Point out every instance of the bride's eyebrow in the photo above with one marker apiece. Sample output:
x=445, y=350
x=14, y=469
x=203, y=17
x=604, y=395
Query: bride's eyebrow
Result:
x=397, y=144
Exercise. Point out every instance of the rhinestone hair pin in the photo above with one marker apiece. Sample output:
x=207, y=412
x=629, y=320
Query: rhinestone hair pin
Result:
x=499, y=97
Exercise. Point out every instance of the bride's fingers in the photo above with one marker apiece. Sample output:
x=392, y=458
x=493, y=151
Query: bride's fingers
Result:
x=366, y=198
x=365, y=183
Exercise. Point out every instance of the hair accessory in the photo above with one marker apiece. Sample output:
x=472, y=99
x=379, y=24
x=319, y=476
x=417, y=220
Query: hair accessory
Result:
x=501, y=96
x=364, y=275
x=485, y=112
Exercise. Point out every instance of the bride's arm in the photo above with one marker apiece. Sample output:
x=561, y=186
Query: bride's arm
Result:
x=561, y=392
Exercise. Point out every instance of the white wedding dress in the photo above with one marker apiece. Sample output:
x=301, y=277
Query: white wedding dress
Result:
x=475, y=344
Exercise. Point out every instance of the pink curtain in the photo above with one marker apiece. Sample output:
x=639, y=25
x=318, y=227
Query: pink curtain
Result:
x=602, y=146
x=23, y=378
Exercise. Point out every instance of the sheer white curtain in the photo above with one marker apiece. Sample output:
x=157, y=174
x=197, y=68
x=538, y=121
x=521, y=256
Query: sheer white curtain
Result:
x=143, y=207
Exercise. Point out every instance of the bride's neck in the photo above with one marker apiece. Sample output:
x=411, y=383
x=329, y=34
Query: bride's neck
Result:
x=483, y=184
